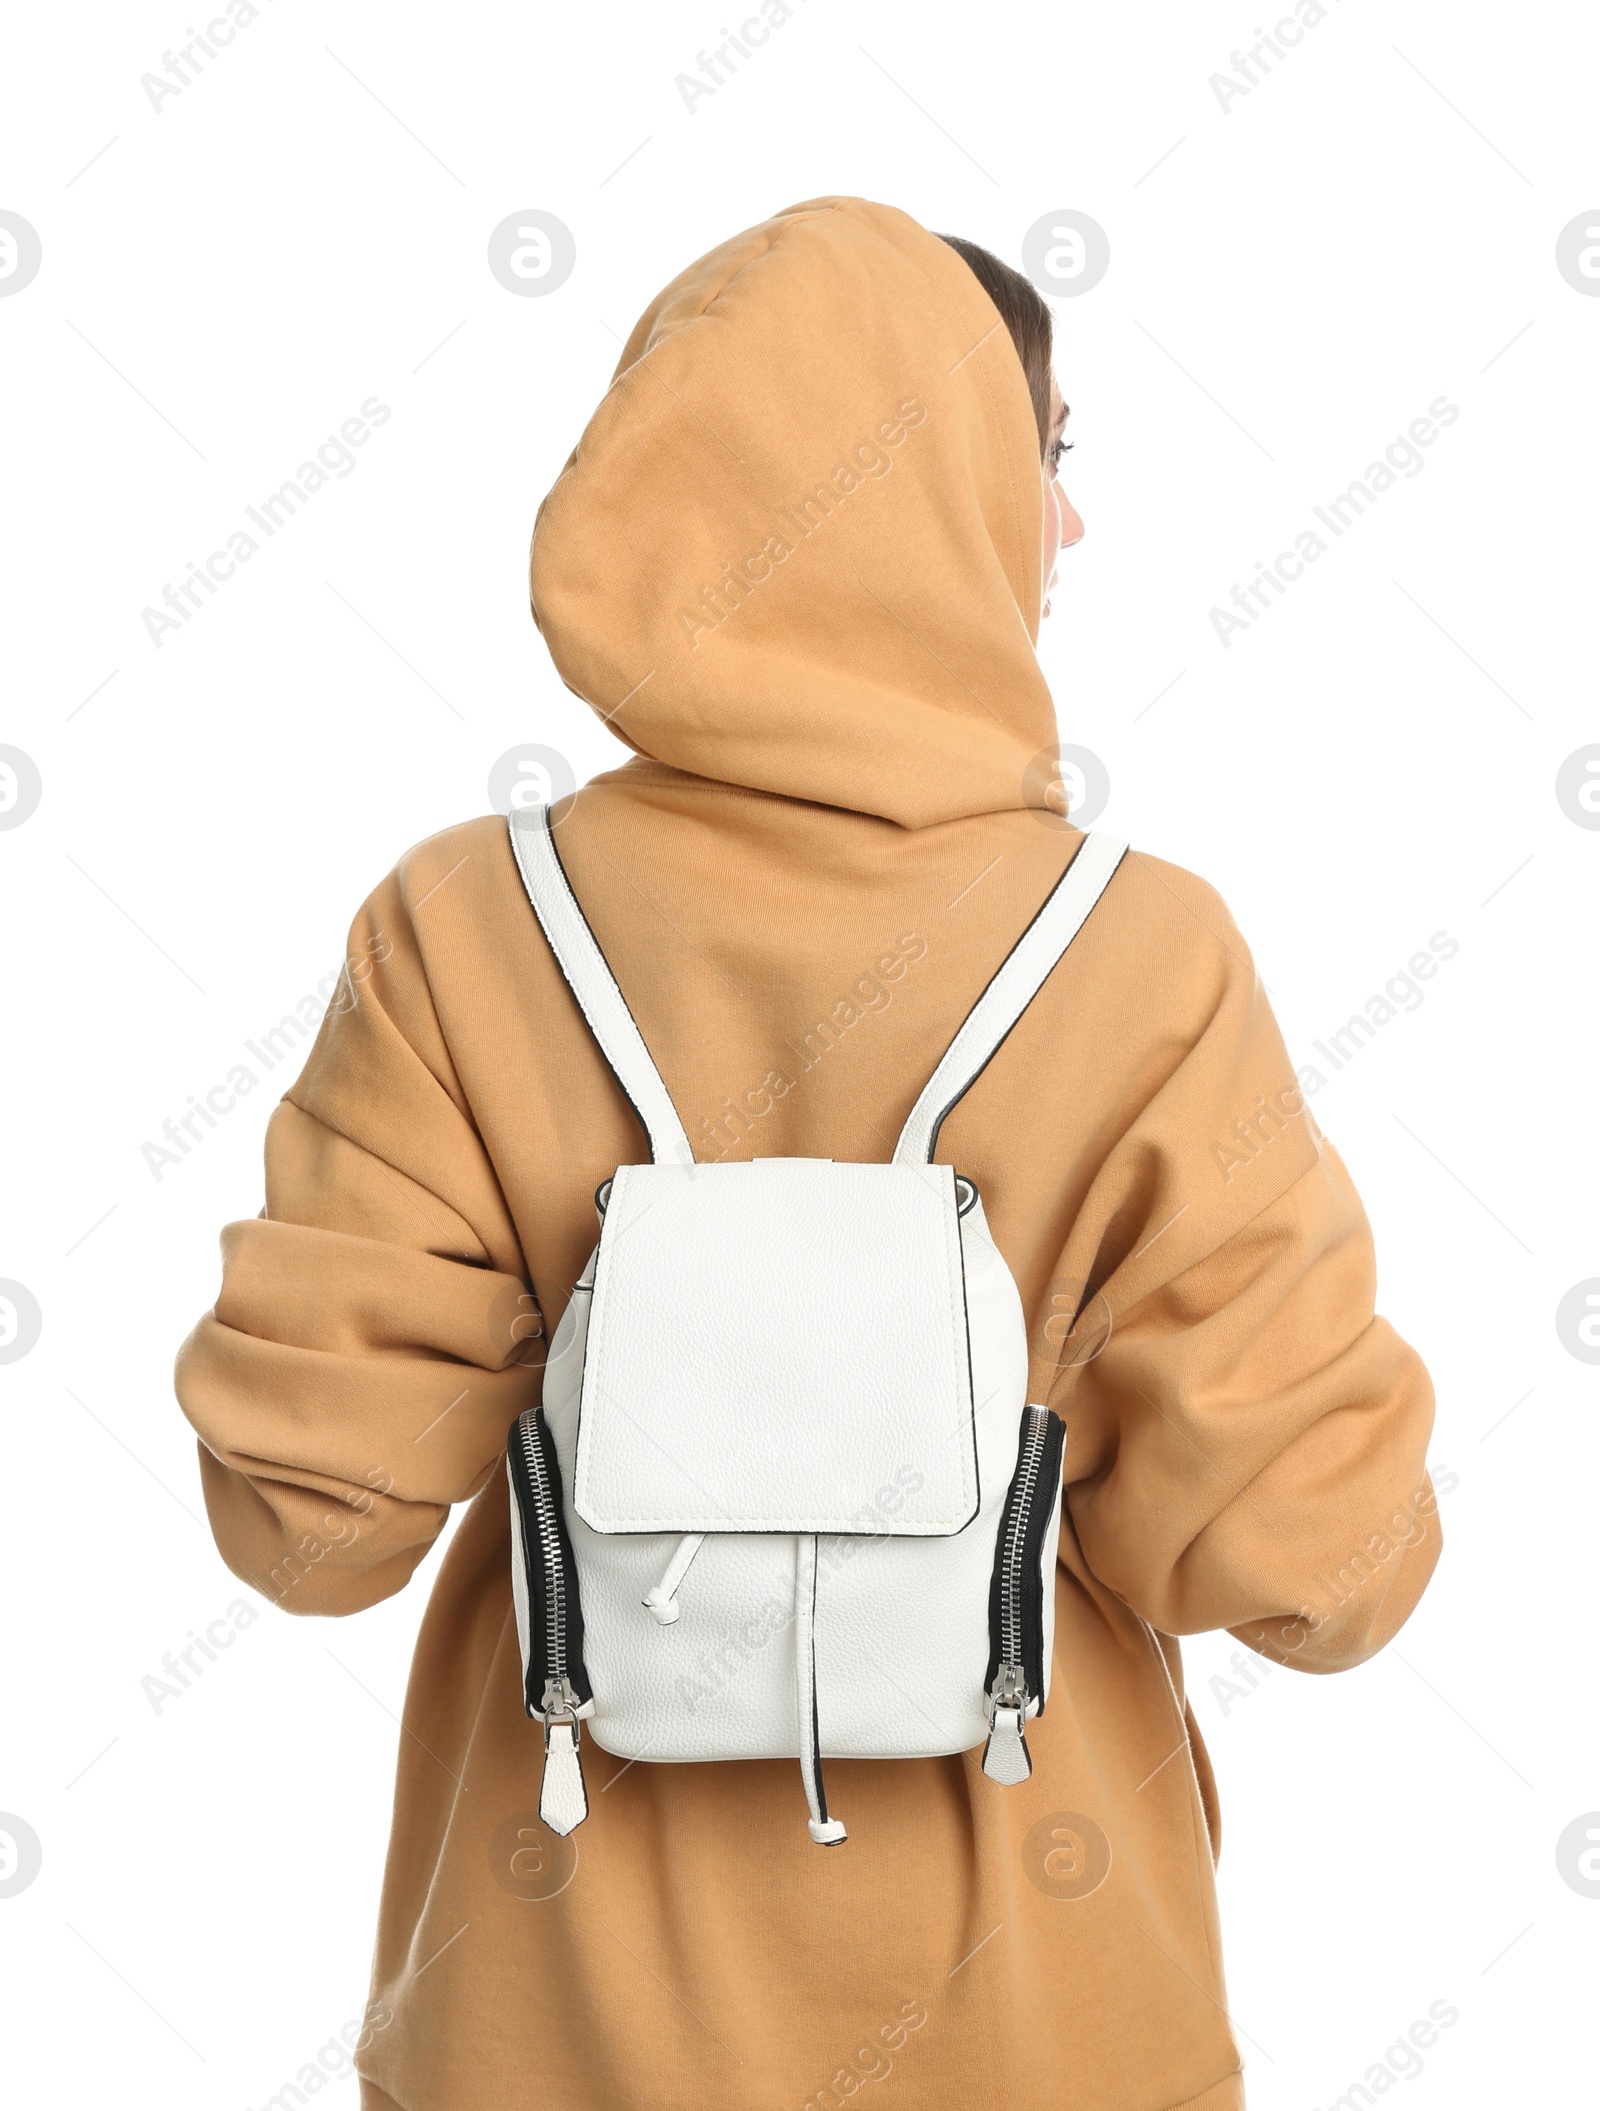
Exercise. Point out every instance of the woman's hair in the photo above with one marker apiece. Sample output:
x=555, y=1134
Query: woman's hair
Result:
x=1025, y=314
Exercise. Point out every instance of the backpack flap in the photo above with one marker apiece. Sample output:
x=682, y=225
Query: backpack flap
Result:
x=778, y=1346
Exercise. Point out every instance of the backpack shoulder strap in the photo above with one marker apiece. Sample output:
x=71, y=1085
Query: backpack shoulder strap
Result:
x=1013, y=987
x=592, y=983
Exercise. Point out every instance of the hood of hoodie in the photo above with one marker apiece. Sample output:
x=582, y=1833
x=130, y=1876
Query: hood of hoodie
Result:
x=797, y=547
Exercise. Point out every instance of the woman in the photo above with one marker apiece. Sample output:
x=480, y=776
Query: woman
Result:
x=797, y=562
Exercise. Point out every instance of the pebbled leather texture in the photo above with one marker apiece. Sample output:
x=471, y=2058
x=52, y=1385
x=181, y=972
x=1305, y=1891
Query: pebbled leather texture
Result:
x=519, y=1580
x=778, y=1346
x=902, y=1638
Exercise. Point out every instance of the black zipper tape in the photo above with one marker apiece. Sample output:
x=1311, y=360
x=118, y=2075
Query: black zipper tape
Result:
x=555, y=1618
x=1043, y=1511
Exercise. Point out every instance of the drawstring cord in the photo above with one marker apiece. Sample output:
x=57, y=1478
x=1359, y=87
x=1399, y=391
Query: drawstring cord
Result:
x=826, y=1831
x=661, y=1600
x=662, y=1597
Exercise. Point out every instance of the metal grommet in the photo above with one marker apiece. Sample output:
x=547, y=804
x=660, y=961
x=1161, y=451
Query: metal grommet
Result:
x=966, y=1194
x=602, y=1195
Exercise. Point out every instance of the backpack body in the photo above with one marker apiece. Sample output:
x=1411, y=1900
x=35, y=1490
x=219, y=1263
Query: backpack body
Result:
x=785, y=1495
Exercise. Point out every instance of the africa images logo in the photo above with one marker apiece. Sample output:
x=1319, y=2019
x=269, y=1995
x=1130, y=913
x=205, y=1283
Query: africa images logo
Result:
x=869, y=462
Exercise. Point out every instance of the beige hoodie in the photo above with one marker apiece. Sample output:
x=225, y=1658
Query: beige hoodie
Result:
x=794, y=562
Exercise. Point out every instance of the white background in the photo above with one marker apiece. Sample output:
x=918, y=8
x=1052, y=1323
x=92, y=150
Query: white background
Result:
x=1292, y=282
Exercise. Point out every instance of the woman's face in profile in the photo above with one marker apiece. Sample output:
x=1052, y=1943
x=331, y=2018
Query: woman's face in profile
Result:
x=1062, y=527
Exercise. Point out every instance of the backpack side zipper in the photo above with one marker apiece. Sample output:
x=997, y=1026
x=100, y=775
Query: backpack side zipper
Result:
x=1015, y=1677
x=554, y=1671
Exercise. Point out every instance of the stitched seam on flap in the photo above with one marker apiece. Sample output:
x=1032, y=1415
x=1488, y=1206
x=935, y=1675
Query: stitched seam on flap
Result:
x=961, y=1347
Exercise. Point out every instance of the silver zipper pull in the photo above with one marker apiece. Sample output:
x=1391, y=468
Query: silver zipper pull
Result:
x=1006, y=1758
x=563, y=1799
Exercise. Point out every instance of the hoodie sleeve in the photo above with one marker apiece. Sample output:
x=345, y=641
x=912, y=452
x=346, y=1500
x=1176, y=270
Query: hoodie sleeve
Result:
x=374, y=1337
x=1248, y=1438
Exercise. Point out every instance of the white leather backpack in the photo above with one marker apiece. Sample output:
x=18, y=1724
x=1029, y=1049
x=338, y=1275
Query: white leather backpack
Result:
x=786, y=1496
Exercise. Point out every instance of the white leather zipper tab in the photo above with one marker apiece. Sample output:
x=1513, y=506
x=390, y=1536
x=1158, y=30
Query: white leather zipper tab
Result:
x=1006, y=1758
x=563, y=1799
